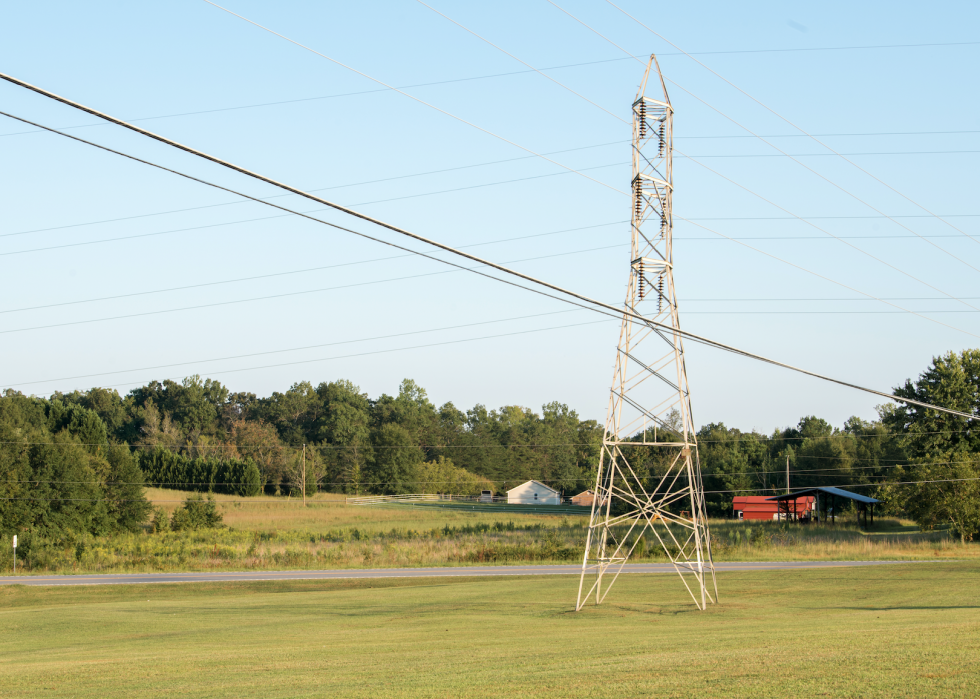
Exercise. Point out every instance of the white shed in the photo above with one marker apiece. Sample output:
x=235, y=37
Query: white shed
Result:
x=533, y=493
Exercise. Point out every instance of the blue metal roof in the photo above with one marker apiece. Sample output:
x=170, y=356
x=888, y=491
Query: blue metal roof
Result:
x=830, y=491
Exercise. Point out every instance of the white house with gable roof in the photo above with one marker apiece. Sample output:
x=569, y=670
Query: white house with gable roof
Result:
x=533, y=493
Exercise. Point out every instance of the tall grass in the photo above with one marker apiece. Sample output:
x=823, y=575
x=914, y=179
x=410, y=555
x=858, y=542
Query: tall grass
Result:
x=270, y=533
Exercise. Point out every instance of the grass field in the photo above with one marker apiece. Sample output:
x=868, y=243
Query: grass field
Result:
x=277, y=534
x=902, y=631
x=327, y=511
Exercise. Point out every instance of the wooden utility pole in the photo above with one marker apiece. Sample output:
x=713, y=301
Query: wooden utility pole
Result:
x=304, y=475
x=787, y=474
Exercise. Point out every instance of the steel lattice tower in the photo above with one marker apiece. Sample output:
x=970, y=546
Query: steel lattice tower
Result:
x=649, y=488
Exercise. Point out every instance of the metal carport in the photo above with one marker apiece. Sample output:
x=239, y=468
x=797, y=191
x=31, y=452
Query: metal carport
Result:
x=821, y=494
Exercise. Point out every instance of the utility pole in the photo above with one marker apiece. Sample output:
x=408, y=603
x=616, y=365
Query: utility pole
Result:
x=649, y=385
x=304, y=475
x=787, y=474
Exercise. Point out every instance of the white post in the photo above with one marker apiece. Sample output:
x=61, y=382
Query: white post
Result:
x=15, y=554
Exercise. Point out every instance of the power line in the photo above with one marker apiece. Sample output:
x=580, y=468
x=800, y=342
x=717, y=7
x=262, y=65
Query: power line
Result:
x=319, y=189
x=292, y=349
x=834, y=184
x=425, y=194
x=816, y=155
x=385, y=351
x=287, y=294
x=604, y=309
x=826, y=278
x=732, y=181
x=268, y=218
x=756, y=313
x=850, y=245
x=298, y=271
x=565, y=87
x=836, y=218
x=528, y=65
x=816, y=473
x=288, y=501
x=828, y=135
x=570, y=65
x=798, y=128
x=416, y=99
x=743, y=437
x=776, y=148
x=689, y=157
x=906, y=298
x=567, y=296
x=324, y=97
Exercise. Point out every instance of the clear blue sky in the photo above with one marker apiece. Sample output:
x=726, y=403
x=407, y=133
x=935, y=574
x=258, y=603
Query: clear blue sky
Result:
x=206, y=78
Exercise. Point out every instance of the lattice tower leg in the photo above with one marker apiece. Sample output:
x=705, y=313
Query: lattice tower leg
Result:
x=648, y=487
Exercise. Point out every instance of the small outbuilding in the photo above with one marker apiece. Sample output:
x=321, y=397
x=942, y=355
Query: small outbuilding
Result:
x=828, y=498
x=761, y=507
x=533, y=493
x=585, y=499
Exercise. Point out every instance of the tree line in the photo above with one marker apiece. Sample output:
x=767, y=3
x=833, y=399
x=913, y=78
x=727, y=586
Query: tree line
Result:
x=99, y=447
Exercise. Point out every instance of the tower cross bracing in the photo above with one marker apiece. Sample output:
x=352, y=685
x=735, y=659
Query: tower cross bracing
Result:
x=648, y=485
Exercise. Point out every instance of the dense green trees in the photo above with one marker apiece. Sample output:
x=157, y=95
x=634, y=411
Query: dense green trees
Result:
x=77, y=461
x=943, y=482
x=61, y=474
x=168, y=469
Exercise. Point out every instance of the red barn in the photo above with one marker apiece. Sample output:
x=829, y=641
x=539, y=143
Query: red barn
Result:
x=761, y=507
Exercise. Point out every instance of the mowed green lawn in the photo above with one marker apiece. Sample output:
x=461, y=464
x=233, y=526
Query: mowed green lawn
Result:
x=909, y=630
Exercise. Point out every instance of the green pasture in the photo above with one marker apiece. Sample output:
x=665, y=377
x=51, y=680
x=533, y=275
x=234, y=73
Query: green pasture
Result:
x=497, y=508
x=907, y=630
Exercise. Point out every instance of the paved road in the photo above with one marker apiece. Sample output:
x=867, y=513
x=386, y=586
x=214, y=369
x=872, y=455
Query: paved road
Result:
x=468, y=571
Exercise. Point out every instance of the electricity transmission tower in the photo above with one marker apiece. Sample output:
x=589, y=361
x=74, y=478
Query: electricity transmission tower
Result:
x=649, y=481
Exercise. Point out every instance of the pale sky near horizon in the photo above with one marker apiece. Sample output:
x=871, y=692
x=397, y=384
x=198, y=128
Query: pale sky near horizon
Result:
x=308, y=303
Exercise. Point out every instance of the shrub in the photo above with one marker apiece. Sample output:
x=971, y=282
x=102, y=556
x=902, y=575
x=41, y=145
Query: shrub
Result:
x=196, y=513
x=160, y=521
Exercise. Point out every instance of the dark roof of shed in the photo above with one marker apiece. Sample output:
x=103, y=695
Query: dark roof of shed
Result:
x=830, y=491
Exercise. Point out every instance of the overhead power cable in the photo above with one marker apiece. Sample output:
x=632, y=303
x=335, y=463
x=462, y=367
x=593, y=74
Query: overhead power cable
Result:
x=291, y=349
x=567, y=296
x=520, y=72
x=604, y=309
x=811, y=472
x=825, y=278
x=850, y=245
x=356, y=355
x=288, y=501
x=524, y=63
x=565, y=87
x=288, y=294
x=416, y=99
x=296, y=271
x=768, y=143
x=818, y=155
x=834, y=218
x=757, y=439
x=488, y=184
x=267, y=218
x=318, y=189
x=829, y=135
x=798, y=128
